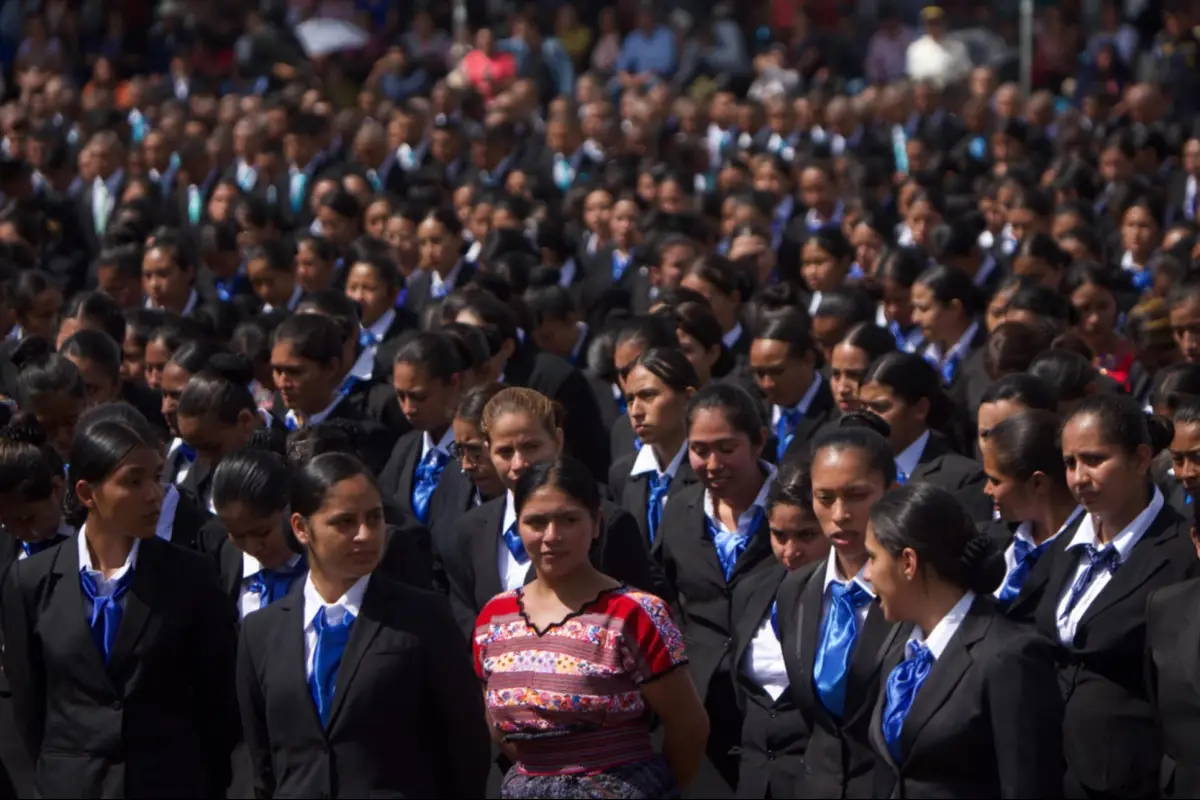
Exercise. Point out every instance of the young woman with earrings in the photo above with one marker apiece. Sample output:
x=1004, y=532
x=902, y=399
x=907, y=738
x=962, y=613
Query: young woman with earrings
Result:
x=351, y=653
x=119, y=647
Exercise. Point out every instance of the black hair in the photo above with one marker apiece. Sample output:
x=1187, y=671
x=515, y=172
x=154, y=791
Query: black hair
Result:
x=121, y=412
x=547, y=303
x=314, y=478
x=792, y=487
x=220, y=389
x=470, y=408
x=470, y=342
x=499, y=319
x=258, y=479
x=309, y=442
x=314, y=337
x=96, y=453
x=1042, y=301
x=1123, y=423
x=743, y=413
x=873, y=340
x=670, y=366
x=902, y=265
x=1175, y=385
x=194, y=355
x=95, y=346
x=912, y=379
x=276, y=255
x=647, y=330
x=29, y=284
x=565, y=474
x=831, y=239
x=1042, y=246
x=100, y=310
x=434, y=352
x=1070, y=375
x=948, y=284
x=722, y=275
x=383, y=267
x=143, y=322
x=851, y=304
x=794, y=329
x=1029, y=442
x=865, y=432
x=1012, y=346
x=1027, y=390
x=928, y=520
x=335, y=305
x=43, y=371
x=28, y=464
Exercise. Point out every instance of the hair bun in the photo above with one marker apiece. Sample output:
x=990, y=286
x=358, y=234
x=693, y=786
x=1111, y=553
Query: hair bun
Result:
x=30, y=350
x=231, y=366
x=982, y=563
x=866, y=419
x=1162, y=431
x=24, y=429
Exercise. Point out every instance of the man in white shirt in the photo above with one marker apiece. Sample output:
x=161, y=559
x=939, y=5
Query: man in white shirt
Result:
x=934, y=57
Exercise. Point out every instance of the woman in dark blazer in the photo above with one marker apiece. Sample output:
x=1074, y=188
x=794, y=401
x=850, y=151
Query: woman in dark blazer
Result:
x=1103, y=569
x=835, y=634
x=1028, y=483
x=486, y=557
x=970, y=706
x=775, y=731
x=119, y=647
x=32, y=483
x=905, y=390
x=1172, y=645
x=947, y=305
x=324, y=670
x=714, y=537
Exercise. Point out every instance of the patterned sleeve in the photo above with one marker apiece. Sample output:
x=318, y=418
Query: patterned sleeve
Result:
x=479, y=641
x=658, y=642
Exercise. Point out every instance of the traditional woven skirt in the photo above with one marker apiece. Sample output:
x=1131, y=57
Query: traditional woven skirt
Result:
x=642, y=779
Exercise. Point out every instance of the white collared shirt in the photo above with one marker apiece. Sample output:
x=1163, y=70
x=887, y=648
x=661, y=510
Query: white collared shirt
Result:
x=910, y=457
x=248, y=601
x=1024, y=532
x=939, y=638
x=833, y=575
x=814, y=303
x=166, y=516
x=763, y=662
x=188, y=307
x=184, y=468
x=105, y=587
x=731, y=338
x=960, y=348
x=805, y=402
x=246, y=174
x=442, y=445
x=577, y=350
x=747, y=517
x=293, y=301
x=349, y=603
x=446, y=284
x=1124, y=542
x=319, y=417
x=646, y=462
x=512, y=572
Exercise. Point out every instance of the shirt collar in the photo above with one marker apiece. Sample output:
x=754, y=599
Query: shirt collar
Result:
x=939, y=638
x=731, y=338
x=908, y=460
x=510, y=511
x=646, y=462
x=447, y=283
x=320, y=416
x=351, y=601
x=960, y=347
x=381, y=325
x=832, y=576
x=1124, y=541
x=442, y=446
x=293, y=301
x=805, y=402
x=85, y=558
x=1025, y=529
x=251, y=566
x=760, y=502
x=166, y=517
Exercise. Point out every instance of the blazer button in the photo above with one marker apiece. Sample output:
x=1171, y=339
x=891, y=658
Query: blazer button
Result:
x=116, y=705
x=774, y=714
x=770, y=755
x=728, y=642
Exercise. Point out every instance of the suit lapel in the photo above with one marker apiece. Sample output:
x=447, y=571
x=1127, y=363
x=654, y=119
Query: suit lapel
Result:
x=636, y=495
x=873, y=641
x=408, y=473
x=146, y=592
x=1142, y=565
x=758, y=605
x=947, y=671
x=809, y=630
x=71, y=611
x=483, y=550
x=293, y=655
x=366, y=628
x=706, y=554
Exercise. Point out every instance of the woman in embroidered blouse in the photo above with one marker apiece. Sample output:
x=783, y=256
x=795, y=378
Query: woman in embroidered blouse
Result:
x=1096, y=293
x=574, y=662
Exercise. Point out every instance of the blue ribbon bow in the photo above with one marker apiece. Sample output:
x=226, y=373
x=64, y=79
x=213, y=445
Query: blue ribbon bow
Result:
x=729, y=545
x=839, y=631
x=785, y=430
x=1100, y=559
x=620, y=263
x=367, y=338
x=425, y=482
x=33, y=548
x=106, y=610
x=327, y=658
x=187, y=452
x=1027, y=555
x=902, y=686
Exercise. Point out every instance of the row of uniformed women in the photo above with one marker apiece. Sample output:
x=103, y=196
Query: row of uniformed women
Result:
x=120, y=643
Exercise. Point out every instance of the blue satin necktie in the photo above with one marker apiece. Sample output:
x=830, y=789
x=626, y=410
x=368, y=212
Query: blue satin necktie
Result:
x=1099, y=560
x=902, y=686
x=187, y=452
x=296, y=191
x=785, y=430
x=1026, y=554
x=106, y=610
x=730, y=546
x=327, y=658
x=949, y=368
x=775, y=621
x=659, y=485
x=33, y=548
x=620, y=263
x=839, y=631
x=1142, y=279
x=425, y=482
x=273, y=584
x=512, y=540
x=367, y=338
x=901, y=477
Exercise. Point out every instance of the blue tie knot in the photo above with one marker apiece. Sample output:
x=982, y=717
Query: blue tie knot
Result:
x=785, y=430
x=273, y=584
x=901, y=477
x=367, y=338
x=1026, y=555
x=902, y=686
x=949, y=368
x=106, y=609
x=839, y=631
x=332, y=638
x=1099, y=560
x=731, y=544
x=187, y=452
x=1103, y=558
x=425, y=483
x=512, y=539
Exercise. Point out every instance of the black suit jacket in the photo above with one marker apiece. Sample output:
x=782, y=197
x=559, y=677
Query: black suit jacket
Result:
x=419, y=292
x=821, y=410
x=385, y=354
x=396, y=479
x=987, y=721
x=839, y=760
x=632, y=492
x=562, y=383
x=87, y=220
x=690, y=561
x=1173, y=679
x=962, y=477
x=407, y=717
x=473, y=573
x=1109, y=736
x=454, y=497
x=160, y=719
x=621, y=439
x=1023, y=607
x=774, y=732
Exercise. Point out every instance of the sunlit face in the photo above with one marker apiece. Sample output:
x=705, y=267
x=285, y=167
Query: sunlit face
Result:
x=656, y=411
x=897, y=303
x=891, y=578
x=847, y=367
x=796, y=537
x=258, y=535
x=129, y=499
x=907, y=420
x=1096, y=312
x=937, y=321
x=516, y=442
x=822, y=272
x=557, y=531
x=1185, y=327
x=702, y=359
x=724, y=458
x=365, y=286
x=437, y=248
x=313, y=273
x=1185, y=456
x=100, y=385
x=1012, y=498
x=1101, y=474
x=427, y=402
x=783, y=376
x=42, y=317
x=164, y=281
x=345, y=536
x=304, y=385
x=844, y=489
x=57, y=413
x=273, y=287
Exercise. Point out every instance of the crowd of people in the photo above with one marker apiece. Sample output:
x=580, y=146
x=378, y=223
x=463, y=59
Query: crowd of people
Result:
x=625, y=401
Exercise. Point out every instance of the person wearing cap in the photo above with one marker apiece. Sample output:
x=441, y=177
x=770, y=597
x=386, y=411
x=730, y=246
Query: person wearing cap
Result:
x=935, y=57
